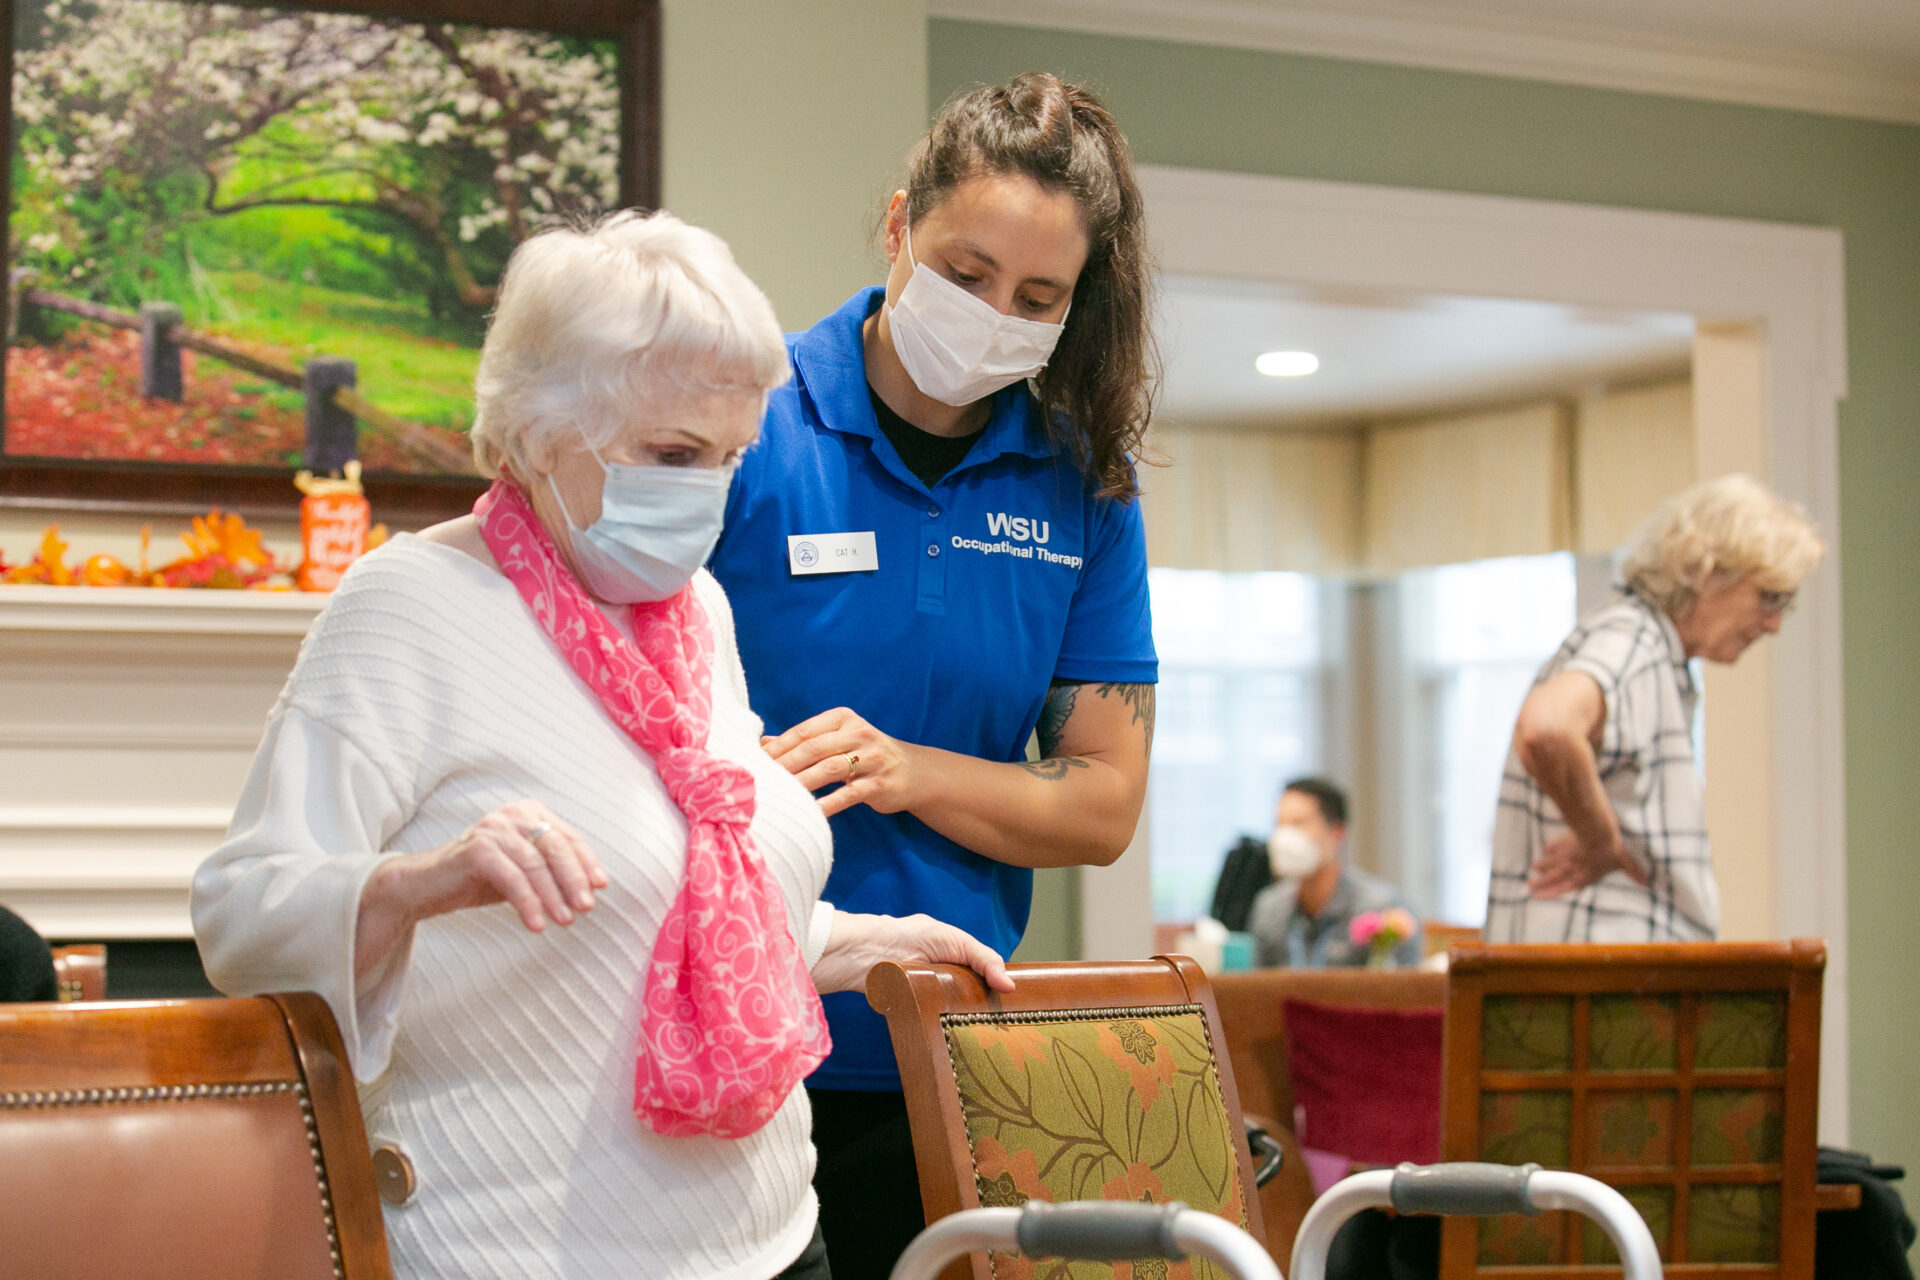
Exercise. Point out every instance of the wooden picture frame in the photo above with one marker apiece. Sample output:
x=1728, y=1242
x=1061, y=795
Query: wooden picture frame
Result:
x=32, y=478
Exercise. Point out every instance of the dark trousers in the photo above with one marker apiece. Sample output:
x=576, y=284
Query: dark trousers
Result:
x=812, y=1262
x=868, y=1187
x=1376, y=1245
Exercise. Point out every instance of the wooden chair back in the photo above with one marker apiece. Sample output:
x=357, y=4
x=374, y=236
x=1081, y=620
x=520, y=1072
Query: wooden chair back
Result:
x=1098, y=1080
x=1253, y=1011
x=180, y=1139
x=1253, y=1021
x=1684, y=1075
x=81, y=971
x=1438, y=936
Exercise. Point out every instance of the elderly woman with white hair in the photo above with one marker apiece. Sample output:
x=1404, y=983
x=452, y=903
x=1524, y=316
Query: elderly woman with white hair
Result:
x=1601, y=831
x=535, y=715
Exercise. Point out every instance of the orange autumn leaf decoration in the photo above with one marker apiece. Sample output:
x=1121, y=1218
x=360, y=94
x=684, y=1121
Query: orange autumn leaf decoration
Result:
x=221, y=551
x=217, y=535
x=49, y=568
x=53, y=554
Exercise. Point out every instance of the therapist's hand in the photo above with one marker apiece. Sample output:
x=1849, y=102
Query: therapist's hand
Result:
x=828, y=748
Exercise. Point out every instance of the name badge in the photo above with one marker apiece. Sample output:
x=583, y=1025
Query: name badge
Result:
x=831, y=553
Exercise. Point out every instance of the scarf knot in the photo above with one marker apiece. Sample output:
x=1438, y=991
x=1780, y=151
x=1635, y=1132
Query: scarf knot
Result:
x=705, y=788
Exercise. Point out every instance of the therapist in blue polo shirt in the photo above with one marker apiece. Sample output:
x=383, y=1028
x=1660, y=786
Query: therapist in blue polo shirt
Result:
x=935, y=550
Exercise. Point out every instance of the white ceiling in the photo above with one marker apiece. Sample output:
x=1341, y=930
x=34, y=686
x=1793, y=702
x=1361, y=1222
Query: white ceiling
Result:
x=1886, y=32
x=1396, y=356
x=1843, y=57
x=1391, y=355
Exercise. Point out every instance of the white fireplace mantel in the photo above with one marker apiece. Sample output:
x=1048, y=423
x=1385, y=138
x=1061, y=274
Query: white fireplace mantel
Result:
x=128, y=717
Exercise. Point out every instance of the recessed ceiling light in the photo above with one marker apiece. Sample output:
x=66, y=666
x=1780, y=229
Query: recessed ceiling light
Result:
x=1287, y=364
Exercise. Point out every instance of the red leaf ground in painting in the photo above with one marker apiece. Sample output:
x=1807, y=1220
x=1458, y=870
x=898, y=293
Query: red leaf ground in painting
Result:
x=80, y=398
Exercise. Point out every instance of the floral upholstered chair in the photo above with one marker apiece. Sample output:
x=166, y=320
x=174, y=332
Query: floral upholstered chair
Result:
x=1684, y=1075
x=1097, y=1081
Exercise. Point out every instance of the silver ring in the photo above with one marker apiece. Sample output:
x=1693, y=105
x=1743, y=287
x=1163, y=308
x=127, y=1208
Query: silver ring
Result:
x=534, y=833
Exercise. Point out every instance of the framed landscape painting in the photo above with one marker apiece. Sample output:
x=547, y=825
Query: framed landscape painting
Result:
x=249, y=239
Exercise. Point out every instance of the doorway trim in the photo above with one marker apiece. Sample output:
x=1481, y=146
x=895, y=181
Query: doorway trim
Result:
x=1787, y=281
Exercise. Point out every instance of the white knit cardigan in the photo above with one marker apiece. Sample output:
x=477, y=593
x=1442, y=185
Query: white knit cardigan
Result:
x=501, y=1061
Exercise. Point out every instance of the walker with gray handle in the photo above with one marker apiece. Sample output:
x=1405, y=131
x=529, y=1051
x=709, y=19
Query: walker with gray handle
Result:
x=1474, y=1190
x=1102, y=1230
x=1117, y=1230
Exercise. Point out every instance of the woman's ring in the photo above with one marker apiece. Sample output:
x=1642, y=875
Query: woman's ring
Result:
x=536, y=831
x=853, y=764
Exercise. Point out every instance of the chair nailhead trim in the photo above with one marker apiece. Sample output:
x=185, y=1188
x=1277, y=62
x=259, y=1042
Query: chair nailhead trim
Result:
x=1073, y=1015
x=147, y=1093
x=194, y=1092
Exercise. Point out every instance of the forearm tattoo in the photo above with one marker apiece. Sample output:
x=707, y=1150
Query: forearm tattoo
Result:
x=1054, y=713
x=1139, y=699
x=1058, y=709
x=1055, y=768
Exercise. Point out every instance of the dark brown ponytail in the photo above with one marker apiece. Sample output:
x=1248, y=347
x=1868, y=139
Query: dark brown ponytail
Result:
x=1097, y=391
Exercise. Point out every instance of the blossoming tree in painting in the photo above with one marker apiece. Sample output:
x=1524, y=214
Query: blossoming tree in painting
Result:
x=447, y=131
x=302, y=181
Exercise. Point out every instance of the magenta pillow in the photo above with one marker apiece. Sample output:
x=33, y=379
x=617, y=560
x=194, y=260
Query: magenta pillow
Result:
x=1366, y=1082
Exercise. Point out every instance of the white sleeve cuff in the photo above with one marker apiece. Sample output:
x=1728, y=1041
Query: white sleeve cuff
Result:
x=276, y=906
x=819, y=929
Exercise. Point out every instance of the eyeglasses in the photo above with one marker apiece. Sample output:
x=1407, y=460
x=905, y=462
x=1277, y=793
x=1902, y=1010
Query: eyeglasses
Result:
x=1776, y=603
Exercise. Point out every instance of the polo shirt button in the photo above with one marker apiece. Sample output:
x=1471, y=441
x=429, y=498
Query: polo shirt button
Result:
x=933, y=513
x=933, y=548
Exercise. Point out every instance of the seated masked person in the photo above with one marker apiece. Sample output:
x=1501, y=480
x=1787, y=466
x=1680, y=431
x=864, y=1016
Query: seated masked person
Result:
x=512, y=819
x=1304, y=919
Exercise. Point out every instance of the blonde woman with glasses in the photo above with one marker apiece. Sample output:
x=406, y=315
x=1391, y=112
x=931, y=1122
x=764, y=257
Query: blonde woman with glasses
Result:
x=1601, y=830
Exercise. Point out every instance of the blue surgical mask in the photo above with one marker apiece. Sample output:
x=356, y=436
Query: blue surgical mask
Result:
x=657, y=526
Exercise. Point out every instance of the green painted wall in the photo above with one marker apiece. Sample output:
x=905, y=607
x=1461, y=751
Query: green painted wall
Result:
x=1053, y=927
x=1321, y=118
x=784, y=127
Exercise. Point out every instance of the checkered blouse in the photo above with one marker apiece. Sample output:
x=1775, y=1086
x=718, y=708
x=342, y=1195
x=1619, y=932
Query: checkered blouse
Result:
x=1647, y=768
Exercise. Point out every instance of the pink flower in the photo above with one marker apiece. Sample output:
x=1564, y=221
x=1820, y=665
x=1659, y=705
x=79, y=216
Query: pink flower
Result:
x=1398, y=923
x=1364, y=927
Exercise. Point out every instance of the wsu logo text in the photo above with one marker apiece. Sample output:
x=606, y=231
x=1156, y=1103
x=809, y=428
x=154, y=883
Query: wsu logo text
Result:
x=1019, y=528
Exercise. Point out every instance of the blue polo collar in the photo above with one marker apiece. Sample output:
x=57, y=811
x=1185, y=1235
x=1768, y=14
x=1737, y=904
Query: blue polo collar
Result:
x=832, y=365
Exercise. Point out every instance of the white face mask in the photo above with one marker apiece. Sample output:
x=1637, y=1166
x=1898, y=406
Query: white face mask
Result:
x=1292, y=853
x=657, y=526
x=956, y=347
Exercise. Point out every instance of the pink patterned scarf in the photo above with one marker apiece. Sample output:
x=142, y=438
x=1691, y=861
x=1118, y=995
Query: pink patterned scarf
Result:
x=731, y=1021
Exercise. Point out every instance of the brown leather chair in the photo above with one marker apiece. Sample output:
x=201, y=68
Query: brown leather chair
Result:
x=1088, y=1081
x=81, y=971
x=182, y=1140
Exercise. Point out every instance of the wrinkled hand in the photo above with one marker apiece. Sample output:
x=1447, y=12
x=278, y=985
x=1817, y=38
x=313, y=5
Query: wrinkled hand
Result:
x=859, y=942
x=1567, y=864
x=543, y=879
x=816, y=751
